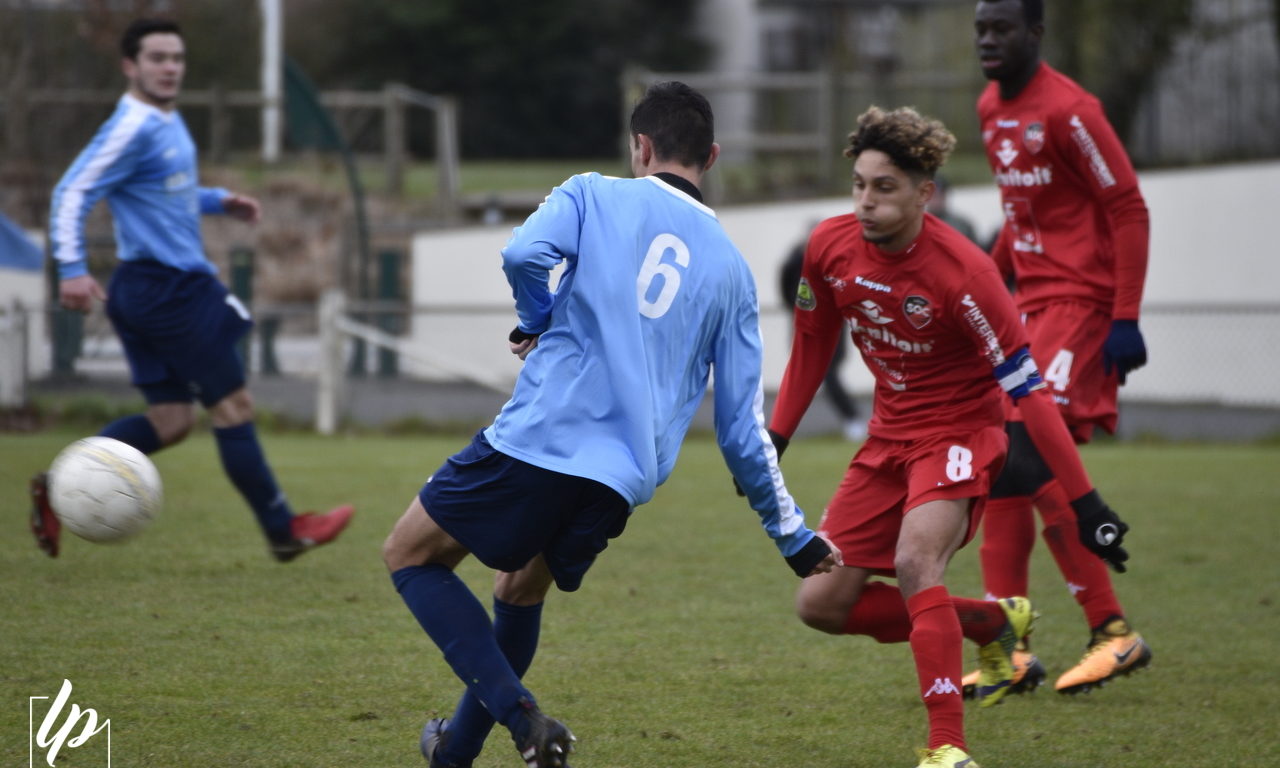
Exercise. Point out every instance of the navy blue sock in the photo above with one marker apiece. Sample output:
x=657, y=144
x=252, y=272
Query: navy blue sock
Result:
x=245, y=464
x=516, y=628
x=459, y=626
x=135, y=430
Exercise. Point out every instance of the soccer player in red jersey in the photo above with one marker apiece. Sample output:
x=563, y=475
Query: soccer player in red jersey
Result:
x=1075, y=243
x=933, y=321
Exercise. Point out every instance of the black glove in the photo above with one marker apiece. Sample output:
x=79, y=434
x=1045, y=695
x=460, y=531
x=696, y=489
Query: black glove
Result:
x=516, y=336
x=1101, y=529
x=780, y=444
x=812, y=553
x=1124, y=349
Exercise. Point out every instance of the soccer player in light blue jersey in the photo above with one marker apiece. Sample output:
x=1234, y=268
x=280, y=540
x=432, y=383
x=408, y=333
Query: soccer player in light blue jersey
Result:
x=652, y=298
x=176, y=321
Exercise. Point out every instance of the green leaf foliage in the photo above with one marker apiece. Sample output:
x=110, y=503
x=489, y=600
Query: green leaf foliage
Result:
x=533, y=79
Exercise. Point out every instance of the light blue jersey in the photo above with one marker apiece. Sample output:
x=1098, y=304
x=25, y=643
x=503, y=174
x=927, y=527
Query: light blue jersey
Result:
x=652, y=297
x=144, y=162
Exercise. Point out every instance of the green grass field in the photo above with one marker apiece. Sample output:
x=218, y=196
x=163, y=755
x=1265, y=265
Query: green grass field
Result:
x=680, y=650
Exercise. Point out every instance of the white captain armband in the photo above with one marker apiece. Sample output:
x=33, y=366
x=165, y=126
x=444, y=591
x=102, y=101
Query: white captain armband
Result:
x=1018, y=375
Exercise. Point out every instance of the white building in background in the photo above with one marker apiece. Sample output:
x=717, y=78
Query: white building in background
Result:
x=1212, y=336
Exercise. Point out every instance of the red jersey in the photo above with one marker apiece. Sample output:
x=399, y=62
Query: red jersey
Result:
x=1076, y=226
x=933, y=323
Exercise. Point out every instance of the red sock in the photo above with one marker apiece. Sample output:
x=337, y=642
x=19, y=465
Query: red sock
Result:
x=1086, y=575
x=936, y=645
x=980, y=620
x=1008, y=535
x=879, y=613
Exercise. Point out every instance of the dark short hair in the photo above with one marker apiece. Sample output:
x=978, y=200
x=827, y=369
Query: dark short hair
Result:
x=131, y=40
x=916, y=144
x=678, y=120
x=1032, y=11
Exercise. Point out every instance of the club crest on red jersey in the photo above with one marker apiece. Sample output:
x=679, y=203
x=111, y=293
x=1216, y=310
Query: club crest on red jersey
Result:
x=1033, y=137
x=918, y=310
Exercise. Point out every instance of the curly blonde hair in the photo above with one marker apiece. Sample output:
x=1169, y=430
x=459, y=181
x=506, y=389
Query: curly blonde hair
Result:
x=918, y=145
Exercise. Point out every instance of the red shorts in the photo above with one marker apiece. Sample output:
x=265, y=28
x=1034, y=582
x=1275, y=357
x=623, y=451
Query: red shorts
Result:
x=1066, y=342
x=888, y=477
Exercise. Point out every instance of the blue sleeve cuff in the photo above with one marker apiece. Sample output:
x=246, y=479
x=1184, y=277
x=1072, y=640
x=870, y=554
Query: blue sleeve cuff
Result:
x=211, y=199
x=70, y=269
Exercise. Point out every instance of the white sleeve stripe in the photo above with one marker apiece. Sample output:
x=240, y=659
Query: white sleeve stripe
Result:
x=1026, y=372
x=789, y=519
x=68, y=213
x=1097, y=163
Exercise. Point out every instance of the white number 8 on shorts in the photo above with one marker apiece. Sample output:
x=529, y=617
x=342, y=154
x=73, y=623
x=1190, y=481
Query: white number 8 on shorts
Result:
x=959, y=463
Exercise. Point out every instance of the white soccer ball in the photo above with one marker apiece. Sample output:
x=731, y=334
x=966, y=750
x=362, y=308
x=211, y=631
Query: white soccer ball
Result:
x=104, y=490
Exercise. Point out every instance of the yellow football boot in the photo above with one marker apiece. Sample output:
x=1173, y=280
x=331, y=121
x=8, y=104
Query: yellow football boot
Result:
x=1028, y=674
x=995, y=659
x=945, y=756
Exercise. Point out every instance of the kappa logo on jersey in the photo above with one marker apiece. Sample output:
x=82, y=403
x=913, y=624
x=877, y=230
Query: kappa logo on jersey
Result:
x=942, y=686
x=1033, y=138
x=804, y=296
x=1007, y=152
x=918, y=310
x=1006, y=123
x=874, y=312
x=835, y=282
x=872, y=284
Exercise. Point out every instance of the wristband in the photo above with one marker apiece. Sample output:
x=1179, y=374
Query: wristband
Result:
x=812, y=553
x=518, y=336
x=780, y=443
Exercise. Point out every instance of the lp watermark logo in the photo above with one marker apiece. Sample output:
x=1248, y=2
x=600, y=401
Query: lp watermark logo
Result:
x=51, y=745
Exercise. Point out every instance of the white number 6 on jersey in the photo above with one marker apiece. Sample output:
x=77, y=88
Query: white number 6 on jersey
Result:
x=654, y=266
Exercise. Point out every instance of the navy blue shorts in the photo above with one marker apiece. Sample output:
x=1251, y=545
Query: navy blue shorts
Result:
x=506, y=511
x=179, y=331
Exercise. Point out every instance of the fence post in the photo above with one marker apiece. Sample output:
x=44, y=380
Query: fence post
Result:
x=242, y=288
x=447, y=156
x=388, y=291
x=65, y=326
x=329, y=381
x=268, y=326
x=13, y=348
x=219, y=124
x=393, y=135
x=68, y=340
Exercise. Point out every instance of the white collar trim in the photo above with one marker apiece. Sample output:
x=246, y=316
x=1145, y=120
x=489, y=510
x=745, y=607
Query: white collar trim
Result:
x=682, y=195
